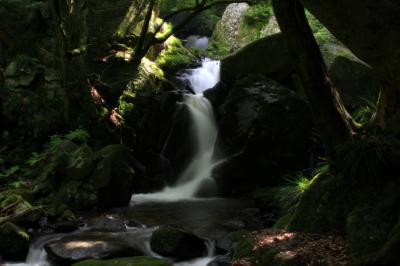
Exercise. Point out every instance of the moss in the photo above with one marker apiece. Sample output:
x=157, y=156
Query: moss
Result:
x=218, y=50
x=175, y=56
x=245, y=244
x=315, y=212
x=14, y=242
x=133, y=261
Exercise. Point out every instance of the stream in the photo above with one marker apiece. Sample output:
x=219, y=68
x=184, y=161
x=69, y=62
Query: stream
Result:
x=176, y=205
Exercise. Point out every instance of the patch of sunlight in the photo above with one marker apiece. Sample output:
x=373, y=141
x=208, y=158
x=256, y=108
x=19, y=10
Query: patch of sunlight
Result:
x=165, y=30
x=151, y=68
x=84, y=244
x=270, y=239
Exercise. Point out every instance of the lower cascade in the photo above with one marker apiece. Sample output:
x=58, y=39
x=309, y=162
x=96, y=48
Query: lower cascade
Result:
x=205, y=133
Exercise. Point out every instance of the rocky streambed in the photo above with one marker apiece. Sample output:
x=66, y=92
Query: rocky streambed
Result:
x=190, y=232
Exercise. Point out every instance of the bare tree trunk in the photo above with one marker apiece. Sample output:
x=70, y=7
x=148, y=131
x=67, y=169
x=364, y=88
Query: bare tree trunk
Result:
x=140, y=50
x=330, y=115
x=388, y=110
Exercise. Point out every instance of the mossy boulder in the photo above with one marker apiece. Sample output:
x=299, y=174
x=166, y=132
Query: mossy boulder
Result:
x=137, y=261
x=177, y=243
x=14, y=242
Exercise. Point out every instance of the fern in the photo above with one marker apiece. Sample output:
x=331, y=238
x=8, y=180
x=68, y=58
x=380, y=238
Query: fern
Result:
x=9, y=172
x=78, y=136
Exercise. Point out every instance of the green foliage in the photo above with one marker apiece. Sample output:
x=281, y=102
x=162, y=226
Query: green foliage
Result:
x=56, y=152
x=79, y=136
x=365, y=112
x=10, y=171
x=175, y=56
x=258, y=14
x=16, y=184
x=321, y=34
x=366, y=159
x=218, y=50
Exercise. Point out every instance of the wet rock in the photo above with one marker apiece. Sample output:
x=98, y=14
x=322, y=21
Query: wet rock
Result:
x=14, y=242
x=105, y=224
x=234, y=225
x=177, y=243
x=75, y=248
x=220, y=261
x=136, y=261
x=207, y=189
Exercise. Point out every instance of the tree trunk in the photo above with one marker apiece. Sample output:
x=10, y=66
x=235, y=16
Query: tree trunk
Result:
x=140, y=50
x=388, y=110
x=330, y=115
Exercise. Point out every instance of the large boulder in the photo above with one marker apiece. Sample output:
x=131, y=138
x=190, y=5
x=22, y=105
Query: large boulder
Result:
x=177, y=243
x=355, y=80
x=265, y=131
x=14, y=242
x=230, y=25
x=75, y=248
x=114, y=176
x=105, y=178
x=268, y=55
x=369, y=28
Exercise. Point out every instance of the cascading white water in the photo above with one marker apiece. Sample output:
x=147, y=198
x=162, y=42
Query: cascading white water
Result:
x=197, y=42
x=205, y=133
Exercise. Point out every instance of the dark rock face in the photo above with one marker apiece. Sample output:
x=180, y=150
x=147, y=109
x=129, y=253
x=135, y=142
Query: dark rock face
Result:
x=265, y=131
x=165, y=147
x=14, y=242
x=114, y=176
x=104, y=179
x=71, y=249
x=268, y=55
x=177, y=243
x=369, y=28
x=354, y=80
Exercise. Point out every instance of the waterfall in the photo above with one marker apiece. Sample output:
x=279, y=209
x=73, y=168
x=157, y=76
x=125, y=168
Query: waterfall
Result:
x=197, y=42
x=205, y=134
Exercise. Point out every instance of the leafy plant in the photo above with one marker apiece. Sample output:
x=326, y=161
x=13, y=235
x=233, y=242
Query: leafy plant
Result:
x=16, y=184
x=10, y=171
x=364, y=113
x=365, y=159
x=259, y=13
x=78, y=136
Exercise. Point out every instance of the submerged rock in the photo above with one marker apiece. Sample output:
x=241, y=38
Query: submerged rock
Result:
x=177, y=243
x=136, y=261
x=105, y=224
x=75, y=248
x=14, y=242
